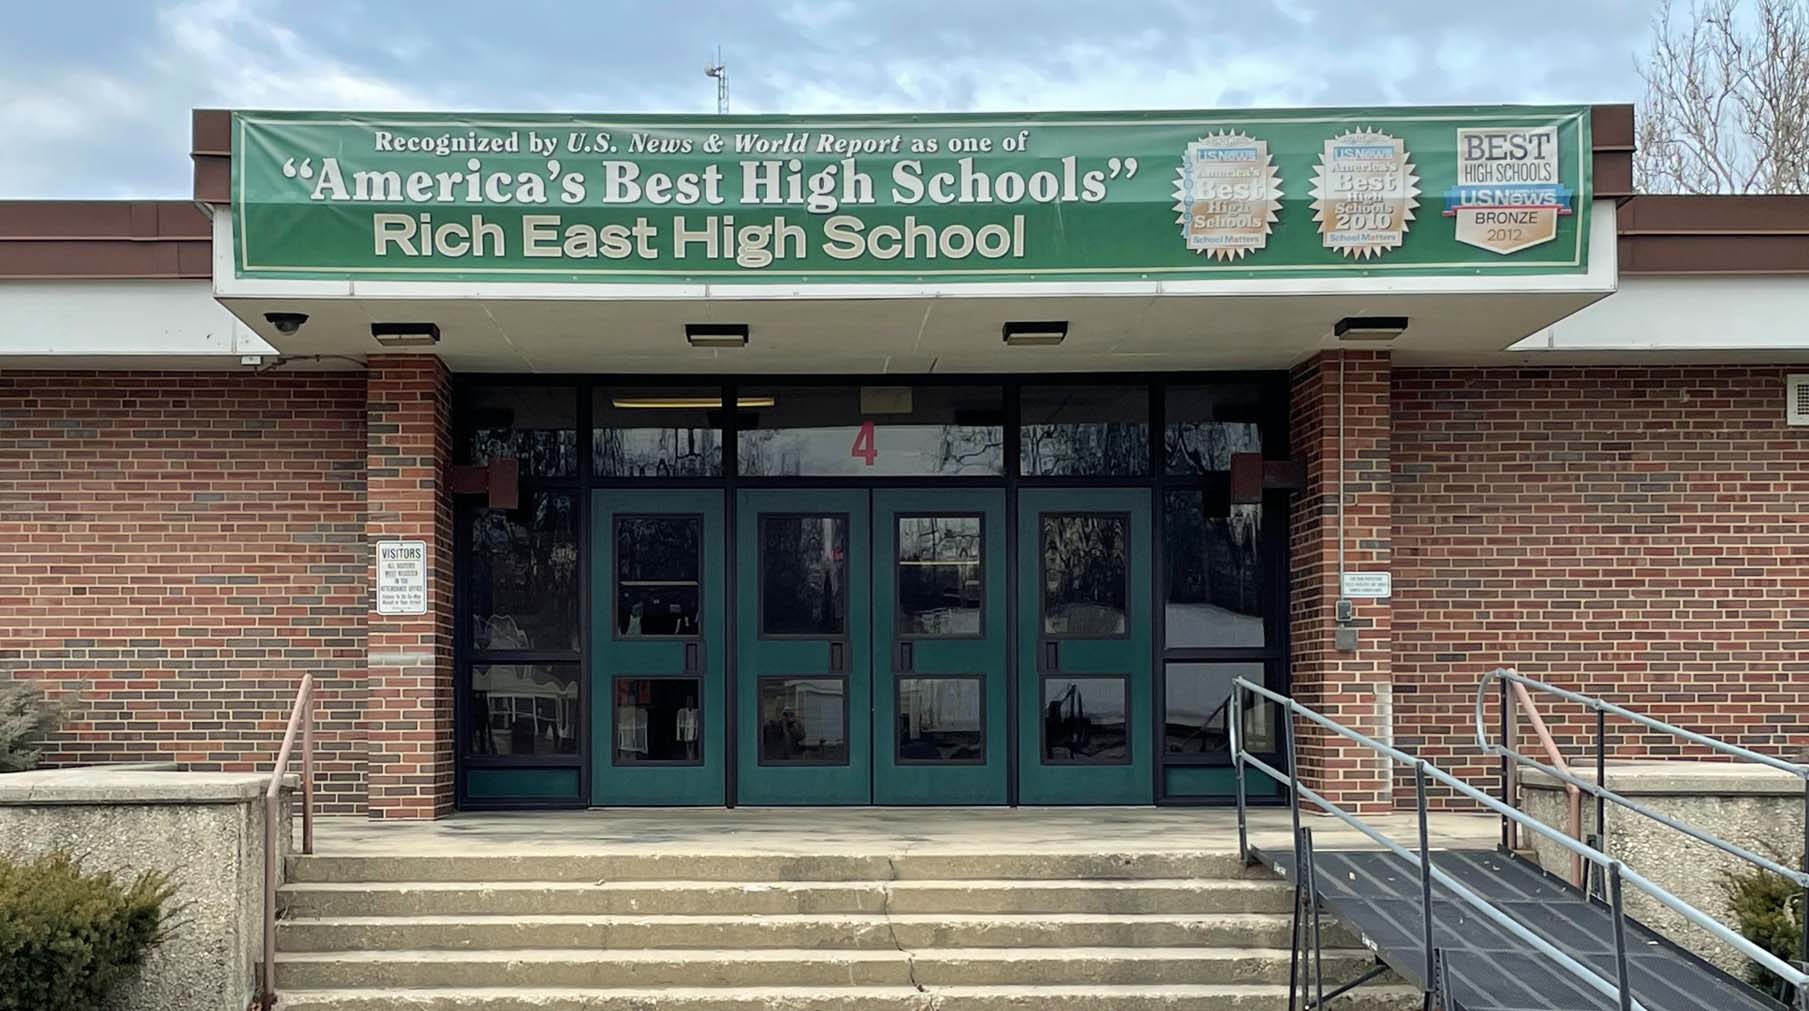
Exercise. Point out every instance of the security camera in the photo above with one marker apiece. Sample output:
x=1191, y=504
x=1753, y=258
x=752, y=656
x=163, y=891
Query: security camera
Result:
x=286, y=322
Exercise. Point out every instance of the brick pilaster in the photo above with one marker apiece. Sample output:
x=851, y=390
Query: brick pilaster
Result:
x=408, y=444
x=1350, y=687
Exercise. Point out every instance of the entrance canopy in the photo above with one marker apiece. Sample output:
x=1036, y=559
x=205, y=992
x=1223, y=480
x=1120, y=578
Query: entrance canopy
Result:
x=905, y=244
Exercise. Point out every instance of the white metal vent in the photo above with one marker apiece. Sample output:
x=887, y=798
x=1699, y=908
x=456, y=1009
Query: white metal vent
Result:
x=1796, y=410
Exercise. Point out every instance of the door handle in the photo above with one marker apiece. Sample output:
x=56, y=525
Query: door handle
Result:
x=905, y=658
x=838, y=657
x=1052, y=656
x=693, y=657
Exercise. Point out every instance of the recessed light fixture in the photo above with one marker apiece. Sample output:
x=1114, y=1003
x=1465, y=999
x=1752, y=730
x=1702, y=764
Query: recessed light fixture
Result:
x=659, y=403
x=406, y=335
x=716, y=335
x=1041, y=334
x=1369, y=328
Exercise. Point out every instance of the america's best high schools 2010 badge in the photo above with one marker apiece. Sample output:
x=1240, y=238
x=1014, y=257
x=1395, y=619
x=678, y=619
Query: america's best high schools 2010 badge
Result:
x=1364, y=193
x=1227, y=195
x=1507, y=196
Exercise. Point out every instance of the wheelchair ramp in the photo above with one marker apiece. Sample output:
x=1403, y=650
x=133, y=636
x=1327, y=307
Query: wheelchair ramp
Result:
x=1377, y=894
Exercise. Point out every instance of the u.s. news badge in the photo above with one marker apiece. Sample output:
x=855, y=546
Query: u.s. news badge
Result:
x=1508, y=195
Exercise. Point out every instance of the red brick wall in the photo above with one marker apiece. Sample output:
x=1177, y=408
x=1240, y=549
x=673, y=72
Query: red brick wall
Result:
x=1342, y=685
x=1640, y=533
x=409, y=426
x=179, y=548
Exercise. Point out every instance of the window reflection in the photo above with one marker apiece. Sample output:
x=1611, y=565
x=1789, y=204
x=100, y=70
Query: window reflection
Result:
x=804, y=721
x=869, y=431
x=803, y=575
x=1208, y=424
x=524, y=709
x=1216, y=584
x=940, y=719
x=940, y=575
x=1086, y=581
x=1084, y=431
x=1084, y=720
x=1197, y=697
x=658, y=720
x=524, y=575
x=536, y=425
x=656, y=432
x=657, y=563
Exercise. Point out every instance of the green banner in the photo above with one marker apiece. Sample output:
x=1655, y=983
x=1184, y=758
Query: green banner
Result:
x=912, y=198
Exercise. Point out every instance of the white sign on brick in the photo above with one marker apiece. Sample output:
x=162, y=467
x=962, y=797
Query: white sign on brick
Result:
x=401, y=577
x=1371, y=585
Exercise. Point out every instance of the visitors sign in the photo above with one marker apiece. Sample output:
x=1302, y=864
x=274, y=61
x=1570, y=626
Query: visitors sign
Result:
x=912, y=198
x=401, y=577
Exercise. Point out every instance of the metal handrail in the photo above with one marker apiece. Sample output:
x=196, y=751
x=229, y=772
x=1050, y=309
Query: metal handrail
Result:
x=301, y=719
x=1524, y=702
x=1616, y=870
x=1520, y=683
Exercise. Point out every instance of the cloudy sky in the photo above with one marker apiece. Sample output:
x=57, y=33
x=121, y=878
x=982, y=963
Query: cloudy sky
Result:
x=94, y=96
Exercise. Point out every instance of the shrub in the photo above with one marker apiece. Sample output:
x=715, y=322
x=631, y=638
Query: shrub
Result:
x=1768, y=908
x=67, y=937
x=27, y=717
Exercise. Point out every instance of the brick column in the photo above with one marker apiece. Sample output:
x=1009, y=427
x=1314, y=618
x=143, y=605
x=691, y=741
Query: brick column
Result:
x=1352, y=687
x=409, y=714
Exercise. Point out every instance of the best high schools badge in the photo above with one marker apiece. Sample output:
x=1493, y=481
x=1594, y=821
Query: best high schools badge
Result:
x=1227, y=195
x=1364, y=193
x=1507, y=196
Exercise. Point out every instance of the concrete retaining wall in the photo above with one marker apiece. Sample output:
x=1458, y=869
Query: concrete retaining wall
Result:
x=206, y=829
x=1748, y=805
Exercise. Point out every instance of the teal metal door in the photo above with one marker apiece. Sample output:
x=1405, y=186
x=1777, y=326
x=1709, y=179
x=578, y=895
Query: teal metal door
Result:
x=658, y=630
x=803, y=647
x=939, y=646
x=1084, y=614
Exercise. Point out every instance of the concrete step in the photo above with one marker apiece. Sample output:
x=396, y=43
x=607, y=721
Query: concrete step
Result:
x=1225, y=997
x=743, y=866
x=812, y=931
x=578, y=968
x=458, y=898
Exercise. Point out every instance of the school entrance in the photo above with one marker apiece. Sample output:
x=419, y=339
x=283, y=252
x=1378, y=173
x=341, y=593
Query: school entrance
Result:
x=967, y=592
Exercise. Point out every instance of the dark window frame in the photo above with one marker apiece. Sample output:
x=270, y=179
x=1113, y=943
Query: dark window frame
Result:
x=845, y=633
x=898, y=680
x=615, y=753
x=1042, y=708
x=898, y=612
x=760, y=682
x=615, y=575
x=1042, y=575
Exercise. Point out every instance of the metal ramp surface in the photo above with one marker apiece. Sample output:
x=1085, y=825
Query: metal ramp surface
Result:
x=1377, y=893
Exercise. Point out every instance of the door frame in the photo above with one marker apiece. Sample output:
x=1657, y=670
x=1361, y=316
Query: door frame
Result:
x=1274, y=392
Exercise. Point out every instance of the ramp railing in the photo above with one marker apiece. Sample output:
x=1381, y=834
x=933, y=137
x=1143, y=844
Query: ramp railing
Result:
x=1436, y=978
x=1513, y=689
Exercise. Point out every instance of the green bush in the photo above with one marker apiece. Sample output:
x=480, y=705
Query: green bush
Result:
x=67, y=937
x=27, y=717
x=1769, y=910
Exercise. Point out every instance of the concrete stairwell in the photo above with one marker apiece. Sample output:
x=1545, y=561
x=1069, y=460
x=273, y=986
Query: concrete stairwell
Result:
x=964, y=931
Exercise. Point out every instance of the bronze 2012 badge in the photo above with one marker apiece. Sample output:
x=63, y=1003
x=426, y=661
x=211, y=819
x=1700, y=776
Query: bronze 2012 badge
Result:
x=1365, y=191
x=1508, y=195
x=1227, y=195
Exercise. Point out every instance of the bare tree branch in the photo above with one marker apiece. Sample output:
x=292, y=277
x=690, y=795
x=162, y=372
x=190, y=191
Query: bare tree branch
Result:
x=1726, y=108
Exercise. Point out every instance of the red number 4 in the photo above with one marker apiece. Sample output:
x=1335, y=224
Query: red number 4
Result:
x=863, y=444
